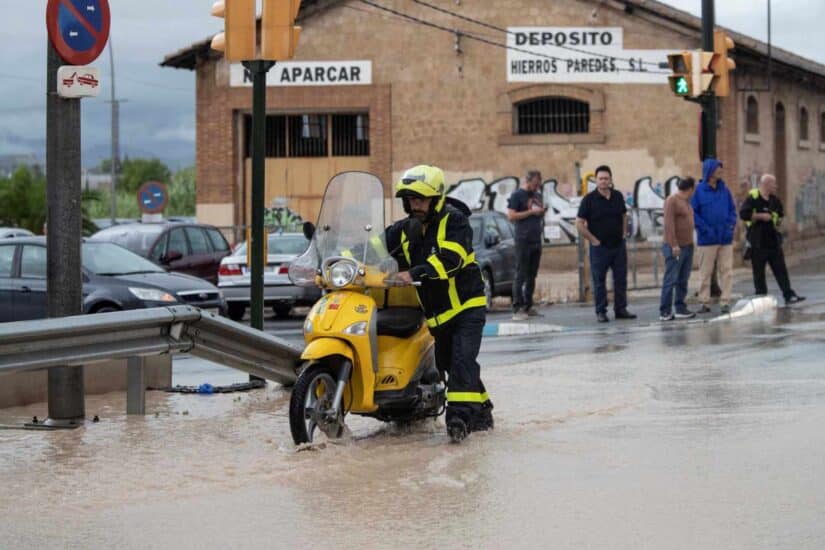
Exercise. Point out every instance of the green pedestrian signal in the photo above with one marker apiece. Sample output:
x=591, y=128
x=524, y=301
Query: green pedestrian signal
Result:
x=681, y=66
x=681, y=86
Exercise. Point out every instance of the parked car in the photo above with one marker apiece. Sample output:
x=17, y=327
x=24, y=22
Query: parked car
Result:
x=113, y=279
x=495, y=250
x=234, y=277
x=8, y=232
x=193, y=249
x=103, y=223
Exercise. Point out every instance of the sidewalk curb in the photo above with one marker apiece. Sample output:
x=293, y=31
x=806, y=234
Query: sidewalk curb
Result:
x=520, y=329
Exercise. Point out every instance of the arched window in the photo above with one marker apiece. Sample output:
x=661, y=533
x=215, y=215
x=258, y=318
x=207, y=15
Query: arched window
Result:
x=752, y=116
x=552, y=115
x=803, y=124
x=822, y=128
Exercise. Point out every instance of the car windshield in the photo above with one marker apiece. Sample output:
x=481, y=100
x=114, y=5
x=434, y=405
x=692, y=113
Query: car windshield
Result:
x=111, y=259
x=136, y=237
x=288, y=245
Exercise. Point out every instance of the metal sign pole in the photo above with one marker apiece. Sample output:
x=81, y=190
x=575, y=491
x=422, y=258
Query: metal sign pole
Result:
x=64, y=283
x=708, y=101
x=258, y=69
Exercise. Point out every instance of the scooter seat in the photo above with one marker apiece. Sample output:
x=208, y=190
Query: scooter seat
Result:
x=401, y=322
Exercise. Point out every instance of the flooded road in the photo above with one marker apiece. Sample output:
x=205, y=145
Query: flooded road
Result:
x=674, y=436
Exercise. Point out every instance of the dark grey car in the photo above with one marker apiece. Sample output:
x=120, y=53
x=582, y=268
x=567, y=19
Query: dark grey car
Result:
x=495, y=249
x=113, y=279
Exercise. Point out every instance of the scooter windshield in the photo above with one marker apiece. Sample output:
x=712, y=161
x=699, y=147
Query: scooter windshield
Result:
x=350, y=225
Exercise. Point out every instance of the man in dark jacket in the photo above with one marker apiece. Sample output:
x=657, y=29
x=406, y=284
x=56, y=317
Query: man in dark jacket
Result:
x=763, y=213
x=714, y=214
x=438, y=253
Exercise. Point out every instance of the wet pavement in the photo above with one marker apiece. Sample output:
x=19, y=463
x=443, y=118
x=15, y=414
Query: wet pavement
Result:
x=637, y=435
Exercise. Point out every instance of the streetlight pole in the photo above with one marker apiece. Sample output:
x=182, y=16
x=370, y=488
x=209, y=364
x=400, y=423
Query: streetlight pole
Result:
x=708, y=101
x=258, y=68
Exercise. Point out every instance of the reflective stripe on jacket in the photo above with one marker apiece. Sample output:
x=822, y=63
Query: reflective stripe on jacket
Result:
x=444, y=262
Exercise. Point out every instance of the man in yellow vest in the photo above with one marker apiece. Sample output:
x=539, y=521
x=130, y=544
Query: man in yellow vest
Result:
x=436, y=250
x=763, y=213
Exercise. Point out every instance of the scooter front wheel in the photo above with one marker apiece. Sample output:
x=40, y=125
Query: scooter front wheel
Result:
x=310, y=403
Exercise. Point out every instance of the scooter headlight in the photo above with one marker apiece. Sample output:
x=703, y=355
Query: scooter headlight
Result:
x=356, y=329
x=342, y=273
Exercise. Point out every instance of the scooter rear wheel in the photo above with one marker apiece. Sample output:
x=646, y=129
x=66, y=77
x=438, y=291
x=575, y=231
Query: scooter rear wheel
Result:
x=312, y=395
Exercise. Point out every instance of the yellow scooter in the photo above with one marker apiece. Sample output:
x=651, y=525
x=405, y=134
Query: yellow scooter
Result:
x=368, y=350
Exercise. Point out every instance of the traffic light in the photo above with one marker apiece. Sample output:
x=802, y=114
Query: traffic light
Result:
x=237, y=42
x=722, y=64
x=279, y=35
x=692, y=75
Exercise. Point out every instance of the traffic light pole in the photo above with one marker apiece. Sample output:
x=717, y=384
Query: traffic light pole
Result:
x=63, y=276
x=258, y=69
x=708, y=100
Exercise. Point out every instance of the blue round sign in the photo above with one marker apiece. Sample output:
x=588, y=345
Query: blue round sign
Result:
x=152, y=197
x=78, y=29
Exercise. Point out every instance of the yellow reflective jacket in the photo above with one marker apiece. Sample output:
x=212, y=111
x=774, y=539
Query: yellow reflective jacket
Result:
x=442, y=259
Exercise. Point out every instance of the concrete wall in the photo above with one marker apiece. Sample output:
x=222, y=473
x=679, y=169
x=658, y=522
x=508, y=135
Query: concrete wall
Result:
x=31, y=387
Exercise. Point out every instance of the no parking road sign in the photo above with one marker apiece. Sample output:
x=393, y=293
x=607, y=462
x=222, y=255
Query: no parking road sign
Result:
x=78, y=29
x=152, y=197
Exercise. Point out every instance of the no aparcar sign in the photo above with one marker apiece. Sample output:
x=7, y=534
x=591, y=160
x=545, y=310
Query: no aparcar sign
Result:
x=78, y=29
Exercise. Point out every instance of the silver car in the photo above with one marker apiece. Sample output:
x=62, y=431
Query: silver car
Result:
x=279, y=293
x=9, y=232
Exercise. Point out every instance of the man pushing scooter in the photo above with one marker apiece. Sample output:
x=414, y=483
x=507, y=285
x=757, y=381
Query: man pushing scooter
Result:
x=440, y=257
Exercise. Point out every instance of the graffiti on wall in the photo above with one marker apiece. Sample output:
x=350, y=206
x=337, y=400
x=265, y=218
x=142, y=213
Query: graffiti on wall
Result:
x=645, y=203
x=810, y=203
x=279, y=217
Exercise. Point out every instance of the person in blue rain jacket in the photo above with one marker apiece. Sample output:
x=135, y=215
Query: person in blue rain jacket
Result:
x=714, y=214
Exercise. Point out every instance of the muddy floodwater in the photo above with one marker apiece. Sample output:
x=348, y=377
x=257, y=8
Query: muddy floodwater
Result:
x=705, y=436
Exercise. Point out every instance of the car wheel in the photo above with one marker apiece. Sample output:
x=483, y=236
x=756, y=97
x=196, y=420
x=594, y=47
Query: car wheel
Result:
x=487, y=278
x=235, y=311
x=282, y=310
x=106, y=309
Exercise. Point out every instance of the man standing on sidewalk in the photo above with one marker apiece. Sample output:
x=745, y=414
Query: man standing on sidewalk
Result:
x=714, y=213
x=526, y=209
x=677, y=251
x=763, y=213
x=602, y=220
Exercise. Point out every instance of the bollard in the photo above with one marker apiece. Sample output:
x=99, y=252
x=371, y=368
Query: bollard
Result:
x=136, y=385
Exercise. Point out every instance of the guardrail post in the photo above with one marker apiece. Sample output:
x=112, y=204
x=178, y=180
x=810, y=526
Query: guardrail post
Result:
x=136, y=385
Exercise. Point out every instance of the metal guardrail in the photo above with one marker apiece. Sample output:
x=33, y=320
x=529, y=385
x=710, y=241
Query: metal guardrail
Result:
x=134, y=334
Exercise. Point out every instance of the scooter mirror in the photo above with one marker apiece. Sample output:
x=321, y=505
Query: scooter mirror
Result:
x=309, y=230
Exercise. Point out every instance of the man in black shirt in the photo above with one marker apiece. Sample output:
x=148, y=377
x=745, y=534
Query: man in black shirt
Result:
x=525, y=208
x=602, y=220
x=763, y=213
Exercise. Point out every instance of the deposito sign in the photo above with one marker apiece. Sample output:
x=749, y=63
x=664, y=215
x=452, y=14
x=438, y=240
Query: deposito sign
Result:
x=580, y=54
x=78, y=29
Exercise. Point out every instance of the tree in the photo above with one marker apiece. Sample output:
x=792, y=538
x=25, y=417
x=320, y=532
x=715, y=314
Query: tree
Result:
x=135, y=172
x=23, y=201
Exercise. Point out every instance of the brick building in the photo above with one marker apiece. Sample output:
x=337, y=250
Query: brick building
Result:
x=383, y=89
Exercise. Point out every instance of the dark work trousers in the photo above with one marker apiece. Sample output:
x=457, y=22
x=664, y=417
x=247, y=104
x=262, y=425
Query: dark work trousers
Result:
x=776, y=259
x=456, y=348
x=614, y=259
x=528, y=257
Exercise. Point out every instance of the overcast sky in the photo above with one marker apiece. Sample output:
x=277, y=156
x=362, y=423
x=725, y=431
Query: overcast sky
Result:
x=157, y=118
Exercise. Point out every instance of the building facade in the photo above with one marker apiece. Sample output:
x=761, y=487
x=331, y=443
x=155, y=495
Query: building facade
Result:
x=504, y=87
